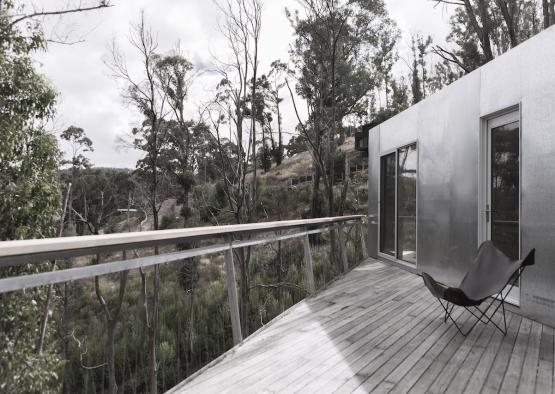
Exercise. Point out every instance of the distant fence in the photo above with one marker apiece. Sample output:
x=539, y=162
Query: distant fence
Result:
x=354, y=172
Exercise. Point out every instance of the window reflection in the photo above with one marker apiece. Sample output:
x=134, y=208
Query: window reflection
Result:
x=398, y=204
x=505, y=188
x=406, y=204
x=387, y=205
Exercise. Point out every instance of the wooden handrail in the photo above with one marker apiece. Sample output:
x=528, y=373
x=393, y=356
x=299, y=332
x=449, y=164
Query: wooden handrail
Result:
x=25, y=251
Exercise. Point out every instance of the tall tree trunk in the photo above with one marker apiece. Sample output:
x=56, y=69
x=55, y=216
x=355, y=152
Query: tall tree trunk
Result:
x=244, y=259
x=279, y=156
x=152, y=333
x=482, y=31
x=153, y=323
x=280, y=277
x=190, y=331
x=253, y=132
x=546, y=13
x=345, y=188
x=111, y=318
x=316, y=204
x=65, y=340
x=185, y=209
x=46, y=312
x=111, y=350
x=508, y=17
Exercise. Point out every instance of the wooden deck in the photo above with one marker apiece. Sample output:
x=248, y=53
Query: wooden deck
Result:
x=378, y=329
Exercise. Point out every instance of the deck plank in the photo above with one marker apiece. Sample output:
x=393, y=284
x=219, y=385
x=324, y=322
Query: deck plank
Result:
x=480, y=348
x=323, y=348
x=341, y=367
x=405, y=375
x=544, y=382
x=266, y=357
x=529, y=371
x=424, y=382
x=514, y=370
x=363, y=352
x=502, y=359
x=377, y=329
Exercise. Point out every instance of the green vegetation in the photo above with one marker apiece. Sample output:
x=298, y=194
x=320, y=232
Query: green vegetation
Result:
x=29, y=199
x=146, y=331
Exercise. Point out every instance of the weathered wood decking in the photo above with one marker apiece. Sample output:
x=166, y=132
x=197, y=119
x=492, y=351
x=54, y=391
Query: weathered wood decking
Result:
x=378, y=329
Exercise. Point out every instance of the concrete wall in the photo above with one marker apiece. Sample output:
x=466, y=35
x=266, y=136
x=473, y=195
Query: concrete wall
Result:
x=447, y=127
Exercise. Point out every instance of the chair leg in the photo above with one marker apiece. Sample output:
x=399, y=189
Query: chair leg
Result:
x=448, y=315
x=482, y=317
x=504, y=318
x=447, y=311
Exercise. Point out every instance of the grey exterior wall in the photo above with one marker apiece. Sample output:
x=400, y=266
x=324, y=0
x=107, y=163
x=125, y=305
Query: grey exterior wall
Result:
x=448, y=127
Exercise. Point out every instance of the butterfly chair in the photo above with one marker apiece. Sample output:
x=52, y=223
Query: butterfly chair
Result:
x=490, y=273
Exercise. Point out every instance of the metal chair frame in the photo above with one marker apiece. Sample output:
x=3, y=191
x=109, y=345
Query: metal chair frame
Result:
x=482, y=316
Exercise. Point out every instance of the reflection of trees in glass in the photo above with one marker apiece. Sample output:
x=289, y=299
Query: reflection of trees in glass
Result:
x=406, y=203
x=387, y=206
x=398, y=187
x=505, y=188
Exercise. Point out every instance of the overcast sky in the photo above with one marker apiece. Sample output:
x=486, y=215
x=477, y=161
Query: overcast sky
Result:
x=90, y=98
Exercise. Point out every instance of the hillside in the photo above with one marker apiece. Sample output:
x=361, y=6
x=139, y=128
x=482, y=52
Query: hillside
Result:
x=299, y=167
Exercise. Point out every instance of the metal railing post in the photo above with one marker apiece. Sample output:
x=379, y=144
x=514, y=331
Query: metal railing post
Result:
x=343, y=248
x=308, y=264
x=232, y=297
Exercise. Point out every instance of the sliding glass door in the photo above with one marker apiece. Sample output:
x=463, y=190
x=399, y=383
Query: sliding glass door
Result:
x=406, y=204
x=501, y=218
x=398, y=203
x=387, y=207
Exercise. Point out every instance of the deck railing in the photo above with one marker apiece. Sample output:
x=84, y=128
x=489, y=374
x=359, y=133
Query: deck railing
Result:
x=14, y=253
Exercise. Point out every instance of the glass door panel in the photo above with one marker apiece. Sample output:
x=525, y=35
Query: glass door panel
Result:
x=505, y=189
x=387, y=204
x=502, y=205
x=406, y=204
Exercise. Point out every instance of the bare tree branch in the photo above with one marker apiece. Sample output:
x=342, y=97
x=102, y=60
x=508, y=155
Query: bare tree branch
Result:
x=102, y=4
x=450, y=57
x=452, y=2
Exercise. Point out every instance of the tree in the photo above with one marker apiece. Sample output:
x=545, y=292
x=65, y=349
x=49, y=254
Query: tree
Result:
x=264, y=104
x=295, y=145
x=398, y=103
x=332, y=54
x=444, y=73
x=548, y=11
x=29, y=198
x=174, y=73
x=79, y=144
x=183, y=155
x=111, y=319
x=100, y=193
x=385, y=58
x=144, y=92
x=241, y=26
x=277, y=77
x=419, y=73
x=484, y=29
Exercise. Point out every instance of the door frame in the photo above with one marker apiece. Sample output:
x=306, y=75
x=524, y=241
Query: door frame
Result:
x=496, y=119
x=380, y=253
x=381, y=155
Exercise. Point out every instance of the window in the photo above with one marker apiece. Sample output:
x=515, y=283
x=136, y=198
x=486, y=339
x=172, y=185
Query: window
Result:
x=387, y=207
x=398, y=203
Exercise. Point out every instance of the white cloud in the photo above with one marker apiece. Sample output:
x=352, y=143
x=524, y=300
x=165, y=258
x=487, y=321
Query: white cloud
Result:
x=90, y=98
